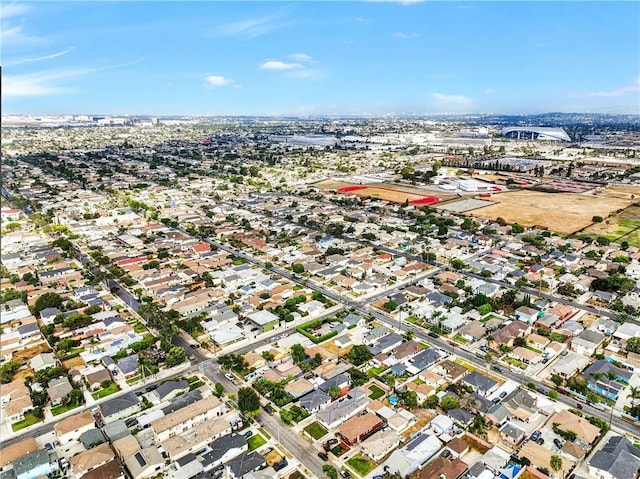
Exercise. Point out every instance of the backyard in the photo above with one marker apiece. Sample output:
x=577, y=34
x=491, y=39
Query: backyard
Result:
x=360, y=465
x=376, y=392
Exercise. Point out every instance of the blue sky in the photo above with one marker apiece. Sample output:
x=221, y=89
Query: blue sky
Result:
x=313, y=58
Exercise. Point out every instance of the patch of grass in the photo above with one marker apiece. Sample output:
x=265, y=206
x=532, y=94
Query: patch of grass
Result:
x=375, y=371
x=459, y=339
x=467, y=365
x=297, y=287
x=113, y=388
x=515, y=362
x=29, y=420
x=255, y=442
x=139, y=328
x=60, y=409
x=264, y=433
x=316, y=430
x=376, y=392
x=134, y=379
x=360, y=465
x=424, y=344
x=418, y=381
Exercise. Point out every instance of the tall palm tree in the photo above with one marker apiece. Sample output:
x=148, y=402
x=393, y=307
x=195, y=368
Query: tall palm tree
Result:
x=611, y=376
x=555, y=462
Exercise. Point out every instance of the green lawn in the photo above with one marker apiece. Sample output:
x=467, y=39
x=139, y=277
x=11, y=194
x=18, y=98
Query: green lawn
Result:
x=29, y=420
x=113, y=388
x=372, y=372
x=418, y=381
x=264, y=433
x=315, y=430
x=255, y=442
x=134, y=379
x=515, y=362
x=139, y=328
x=424, y=344
x=360, y=465
x=459, y=339
x=376, y=392
x=60, y=409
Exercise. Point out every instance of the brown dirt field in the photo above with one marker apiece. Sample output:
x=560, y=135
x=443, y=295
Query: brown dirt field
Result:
x=423, y=417
x=73, y=363
x=330, y=184
x=389, y=195
x=28, y=354
x=563, y=213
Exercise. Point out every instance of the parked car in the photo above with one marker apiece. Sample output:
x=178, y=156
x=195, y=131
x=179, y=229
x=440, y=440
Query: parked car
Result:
x=540, y=441
x=558, y=443
x=247, y=434
x=48, y=446
x=280, y=465
x=497, y=368
x=503, y=394
x=535, y=435
x=445, y=453
x=323, y=456
x=268, y=409
x=579, y=406
x=433, y=335
x=229, y=376
x=345, y=474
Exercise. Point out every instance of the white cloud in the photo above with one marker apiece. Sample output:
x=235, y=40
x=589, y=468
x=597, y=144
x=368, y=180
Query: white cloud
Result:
x=40, y=83
x=218, y=80
x=39, y=59
x=489, y=91
x=453, y=99
x=361, y=20
x=16, y=36
x=249, y=28
x=300, y=57
x=633, y=87
x=13, y=10
x=278, y=65
x=405, y=36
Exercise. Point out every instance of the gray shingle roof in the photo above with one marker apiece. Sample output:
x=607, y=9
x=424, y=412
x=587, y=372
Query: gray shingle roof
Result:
x=619, y=457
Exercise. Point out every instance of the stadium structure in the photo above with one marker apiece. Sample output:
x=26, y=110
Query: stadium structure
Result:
x=535, y=133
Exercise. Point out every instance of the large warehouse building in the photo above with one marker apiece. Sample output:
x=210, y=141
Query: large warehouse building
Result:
x=535, y=133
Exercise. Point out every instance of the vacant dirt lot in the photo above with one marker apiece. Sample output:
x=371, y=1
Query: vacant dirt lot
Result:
x=331, y=184
x=563, y=213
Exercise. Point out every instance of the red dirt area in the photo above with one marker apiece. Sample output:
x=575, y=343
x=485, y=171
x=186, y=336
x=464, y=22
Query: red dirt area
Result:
x=389, y=194
x=427, y=200
x=350, y=189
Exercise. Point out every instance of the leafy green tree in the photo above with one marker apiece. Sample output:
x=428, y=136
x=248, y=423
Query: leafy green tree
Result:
x=553, y=394
x=47, y=300
x=334, y=391
x=359, y=355
x=286, y=416
x=219, y=389
x=517, y=229
x=248, y=401
x=176, y=355
x=7, y=370
x=448, y=402
x=390, y=306
x=298, y=353
x=410, y=399
x=457, y=263
x=431, y=402
x=633, y=345
x=330, y=471
x=297, y=268
x=485, y=309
